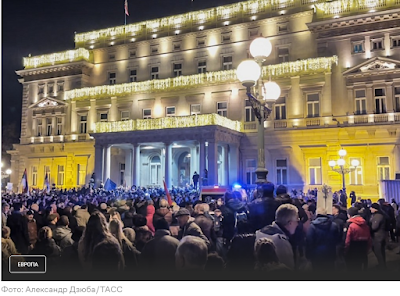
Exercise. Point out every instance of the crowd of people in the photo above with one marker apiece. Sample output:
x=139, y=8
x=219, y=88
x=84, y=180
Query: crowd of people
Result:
x=139, y=231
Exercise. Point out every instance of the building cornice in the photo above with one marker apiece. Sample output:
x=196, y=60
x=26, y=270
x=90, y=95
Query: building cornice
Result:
x=54, y=68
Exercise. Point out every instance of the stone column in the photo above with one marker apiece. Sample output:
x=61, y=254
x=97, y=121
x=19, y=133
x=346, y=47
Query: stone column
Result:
x=212, y=162
x=107, y=163
x=136, y=164
x=92, y=116
x=98, y=163
x=53, y=126
x=74, y=118
x=128, y=167
x=113, y=110
x=226, y=164
x=370, y=99
x=233, y=163
x=168, y=163
x=294, y=103
x=389, y=97
x=202, y=160
x=326, y=102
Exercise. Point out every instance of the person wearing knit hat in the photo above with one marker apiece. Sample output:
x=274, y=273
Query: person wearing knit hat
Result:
x=378, y=233
x=358, y=241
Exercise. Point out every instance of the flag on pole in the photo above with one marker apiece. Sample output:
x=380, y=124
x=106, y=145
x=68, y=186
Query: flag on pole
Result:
x=126, y=8
x=109, y=185
x=47, y=183
x=167, y=193
x=24, y=183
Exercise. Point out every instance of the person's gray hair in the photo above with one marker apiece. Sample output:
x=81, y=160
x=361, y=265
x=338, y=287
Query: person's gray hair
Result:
x=286, y=213
x=163, y=203
x=191, y=253
x=321, y=211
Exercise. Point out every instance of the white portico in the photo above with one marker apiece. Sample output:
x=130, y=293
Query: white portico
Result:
x=144, y=152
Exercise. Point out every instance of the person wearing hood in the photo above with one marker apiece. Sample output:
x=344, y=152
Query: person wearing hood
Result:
x=63, y=234
x=163, y=212
x=358, y=241
x=284, y=226
x=149, y=216
x=321, y=240
x=188, y=226
x=82, y=215
x=378, y=234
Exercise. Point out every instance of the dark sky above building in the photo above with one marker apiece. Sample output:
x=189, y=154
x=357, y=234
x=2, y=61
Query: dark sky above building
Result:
x=45, y=26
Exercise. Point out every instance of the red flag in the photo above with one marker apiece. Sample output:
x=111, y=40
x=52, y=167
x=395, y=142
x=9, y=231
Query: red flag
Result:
x=167, y=193
x=126, y=8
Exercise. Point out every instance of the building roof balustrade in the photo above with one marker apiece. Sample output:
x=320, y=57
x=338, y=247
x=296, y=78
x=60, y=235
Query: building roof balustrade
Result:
x=69, y=56
x=168, y=122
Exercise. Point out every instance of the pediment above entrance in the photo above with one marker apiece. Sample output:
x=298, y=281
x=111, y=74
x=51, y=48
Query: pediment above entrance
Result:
x=47, y=103
x=374, y=66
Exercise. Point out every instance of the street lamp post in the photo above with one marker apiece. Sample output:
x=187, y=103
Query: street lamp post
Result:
x=340, y=167
x=249, y=73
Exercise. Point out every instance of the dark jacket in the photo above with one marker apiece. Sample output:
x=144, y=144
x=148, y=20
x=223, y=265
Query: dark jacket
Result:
x=63, y=237
x=19, y=231
x=262, y=212
x=32, y=231
x=40, y=221
x=231, y=207
x=49, y=248
x=162, y=213
x=207, y=227
x=159, y=253
x=377, y=224
x=131, y=256
x=191, y=228
x=340, y=221
x=322, y=238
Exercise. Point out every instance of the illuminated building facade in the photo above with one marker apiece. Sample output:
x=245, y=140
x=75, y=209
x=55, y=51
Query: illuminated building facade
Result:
x=160, y=99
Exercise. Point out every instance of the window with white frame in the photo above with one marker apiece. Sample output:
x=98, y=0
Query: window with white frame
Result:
x=380, y=100
x=222, y=109
x=227, y=63
x=283, y=54
x=253, y=33
x=280, y=108
x=395, y=41
x=356, y=177
x=34, y=176
x=59, y=126
x=121, y=173
x=170, y=111
x=251, y=171
x=177, y=45
x=360, y=102
x=314, y=169
x=146, y=113
x=358, y=46
x=383, y=168
x=154, y=73
x=281, y=171
x=195, y=109
x=249, y=117
x=177, y=69
x=47, y=172
x=154, y=49
x=397, y=99
x=133, y=75
x=283, y=28
x=60, y=175
x=125, y=115
x=377, y=44
x=112, y=78
x=201, y=67
x=41, y=89
x=83, y=124
x=81, y=180
x=226, y=37
x=49, y=126
x=313, y=105
x=39, y=127
x=103, y=117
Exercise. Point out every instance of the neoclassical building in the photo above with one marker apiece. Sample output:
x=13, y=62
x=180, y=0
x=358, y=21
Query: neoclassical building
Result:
x=160, y=99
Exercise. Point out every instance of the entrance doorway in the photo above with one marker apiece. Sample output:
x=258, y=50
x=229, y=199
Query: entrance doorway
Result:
x=155, y=170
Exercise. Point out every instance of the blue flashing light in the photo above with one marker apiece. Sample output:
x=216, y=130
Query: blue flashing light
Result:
x=237, y=186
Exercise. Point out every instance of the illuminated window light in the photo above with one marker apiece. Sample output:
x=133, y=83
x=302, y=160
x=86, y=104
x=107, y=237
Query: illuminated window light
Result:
x=91, y=46
x=154, y=36
x=177, y=32
x=201, y=28
x=226, y=23
x=253, y=18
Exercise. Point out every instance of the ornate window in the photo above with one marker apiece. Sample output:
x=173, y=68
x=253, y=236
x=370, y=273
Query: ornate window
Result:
x=195, y=109
x=383, y=168
x=146, y=113
x=112, y=78
x=356, y=175
x=250, y=171
x=314, y=168
x=133, y=75
x=249, y=112
x=360, y=102
x=201, y=66
x=280, y=108
x=170, y=111
x=380, y=100
x=154, y=73
x=60, y=175
x=281, y=171
x=222, y=109
x=313, y=105
x=83, y=124
x=81, y=180
x=227, y=63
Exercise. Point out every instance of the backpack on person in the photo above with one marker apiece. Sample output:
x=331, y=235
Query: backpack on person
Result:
x=241, y=218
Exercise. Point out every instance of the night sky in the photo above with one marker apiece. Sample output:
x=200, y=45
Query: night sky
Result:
x=45, y=26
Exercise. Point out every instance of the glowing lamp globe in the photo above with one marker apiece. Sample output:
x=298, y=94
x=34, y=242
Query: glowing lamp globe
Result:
x=248, y=72
x=342, y=152
x=341, y=162
x=260, y=48
x=272, y=91
x=332, y=163
x=355, y=163
x=8, y=172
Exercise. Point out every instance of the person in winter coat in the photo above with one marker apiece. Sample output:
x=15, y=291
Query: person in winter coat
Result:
x=240, y=256
x=158, y=255
x=149, y=216
x=48, y=247
x=358, y=241
x=205, y=222
x=229, y=210
x=19, y=229
x=69, y=256
x=32, y=229
x=40, y=221
x=284, y=226
x=82, y=216
x=262, y=209
x=388, y=211
x=378, y=234
x=63, y=234
x=163, y=212
x=322, y=238
x=188, y=226
x=266, y=258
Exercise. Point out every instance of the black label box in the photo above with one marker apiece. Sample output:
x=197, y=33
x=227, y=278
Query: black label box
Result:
x=27, y=264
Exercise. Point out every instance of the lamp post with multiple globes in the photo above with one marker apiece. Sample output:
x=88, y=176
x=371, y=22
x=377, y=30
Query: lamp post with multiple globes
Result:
x=340, y=166
x=249, y=73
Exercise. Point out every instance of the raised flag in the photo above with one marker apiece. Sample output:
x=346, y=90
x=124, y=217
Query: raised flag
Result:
x=167, y=193
x=126, y=7
x=24, y=183
x=109, y=185
x=47, y=183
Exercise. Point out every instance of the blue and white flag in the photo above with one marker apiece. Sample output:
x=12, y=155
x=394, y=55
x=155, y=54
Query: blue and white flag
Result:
x=109, y=185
